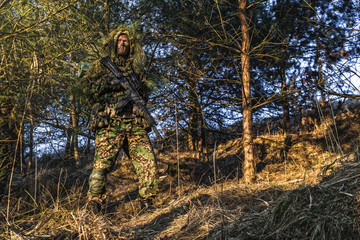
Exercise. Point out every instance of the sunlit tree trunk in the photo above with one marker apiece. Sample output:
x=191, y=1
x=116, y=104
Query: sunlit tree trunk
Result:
x=35, y=72
x=196, y=127
x=248, y=167
x=68, y=142
x=319, y=63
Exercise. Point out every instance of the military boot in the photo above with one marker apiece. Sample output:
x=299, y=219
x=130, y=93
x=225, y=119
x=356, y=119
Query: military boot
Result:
x=96, y=193
x=149, y=189
x=94, y=204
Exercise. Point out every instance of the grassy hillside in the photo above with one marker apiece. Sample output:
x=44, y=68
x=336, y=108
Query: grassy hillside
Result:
x=305, y=189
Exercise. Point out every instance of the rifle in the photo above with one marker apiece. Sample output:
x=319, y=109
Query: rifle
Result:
x=131, y=93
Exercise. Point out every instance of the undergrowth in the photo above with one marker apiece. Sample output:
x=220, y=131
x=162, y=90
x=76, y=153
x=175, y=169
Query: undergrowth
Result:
x=311, y=193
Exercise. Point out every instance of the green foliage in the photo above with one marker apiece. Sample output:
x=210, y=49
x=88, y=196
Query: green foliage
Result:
x=193, y=53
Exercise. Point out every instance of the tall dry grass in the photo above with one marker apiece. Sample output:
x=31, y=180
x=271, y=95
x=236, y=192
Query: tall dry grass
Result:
x=311, y=194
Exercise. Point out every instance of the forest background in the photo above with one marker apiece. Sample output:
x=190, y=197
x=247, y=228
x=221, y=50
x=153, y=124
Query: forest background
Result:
x=219, y=70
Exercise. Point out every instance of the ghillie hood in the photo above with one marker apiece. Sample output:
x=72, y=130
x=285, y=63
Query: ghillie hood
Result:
x=136, y=56
x=135, y=60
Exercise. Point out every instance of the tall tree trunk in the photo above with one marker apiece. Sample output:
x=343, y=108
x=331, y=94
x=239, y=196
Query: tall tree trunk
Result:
x=196, y=134
x=286, y=111
x=194, y=107
x=248, y=167
x=193, y=122
x=284, y=98
x=74, y=126
x=88, y=145
x=35, y=72
x=319, y=62
x=68, y=142
x=31, y=140
x=21, y=152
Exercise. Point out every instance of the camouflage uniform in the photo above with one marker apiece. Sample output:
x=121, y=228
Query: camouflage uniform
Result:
x=119, y=129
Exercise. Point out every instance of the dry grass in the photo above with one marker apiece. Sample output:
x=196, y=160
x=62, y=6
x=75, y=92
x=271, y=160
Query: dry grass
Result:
x=328, y=210
x=312, y=194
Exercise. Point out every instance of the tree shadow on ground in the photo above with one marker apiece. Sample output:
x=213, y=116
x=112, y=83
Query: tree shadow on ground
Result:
x=186, y=220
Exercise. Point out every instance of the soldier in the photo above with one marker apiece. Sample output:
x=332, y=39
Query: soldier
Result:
x=122, y=127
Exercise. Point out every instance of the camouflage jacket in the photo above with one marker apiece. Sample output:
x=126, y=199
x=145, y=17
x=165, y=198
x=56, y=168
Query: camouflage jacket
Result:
x=104, y=94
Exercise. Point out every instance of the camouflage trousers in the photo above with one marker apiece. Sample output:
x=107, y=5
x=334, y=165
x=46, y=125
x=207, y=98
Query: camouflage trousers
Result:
x=133, y=139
